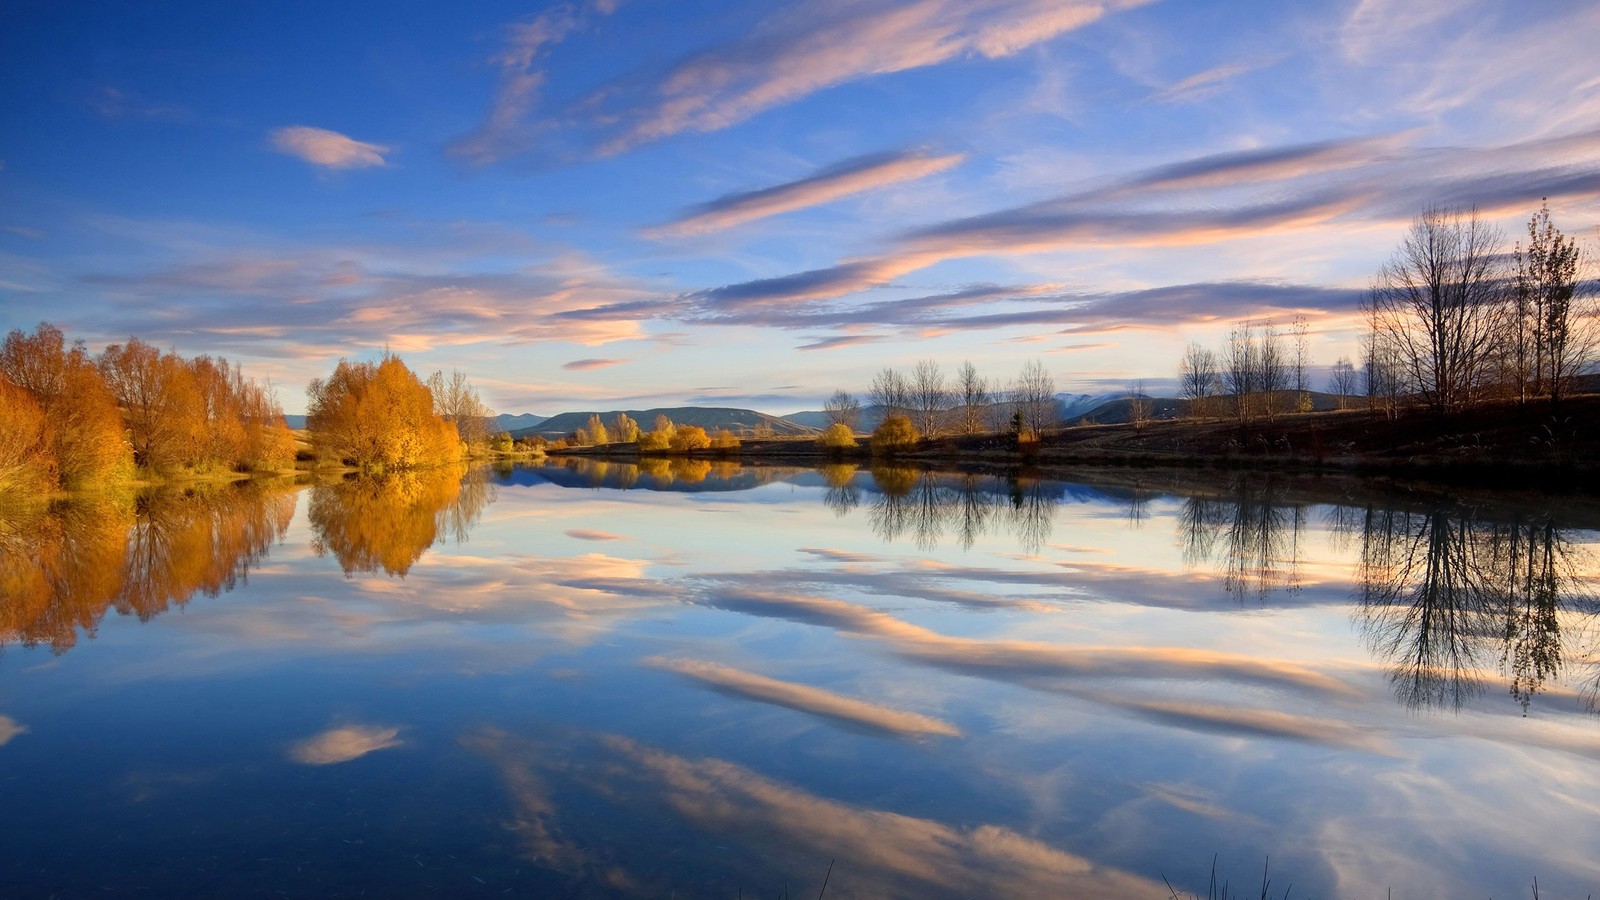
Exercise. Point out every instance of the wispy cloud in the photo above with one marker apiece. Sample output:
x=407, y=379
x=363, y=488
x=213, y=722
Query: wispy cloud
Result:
x=343, y=744
x=843, y=340
x=117, y=103
x=583, y=365
x=10, y=728
x=585, y=534
x=330, y=149
x=849, y=177
x=1203, y=83
x=807, y=699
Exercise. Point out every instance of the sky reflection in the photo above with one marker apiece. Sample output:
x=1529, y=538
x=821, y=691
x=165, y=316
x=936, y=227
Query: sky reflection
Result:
x=536, y=680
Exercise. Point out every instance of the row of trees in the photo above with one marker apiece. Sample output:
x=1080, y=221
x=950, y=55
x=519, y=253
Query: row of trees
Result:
x=933, y=404
x=69, y=418
x=1262, y=371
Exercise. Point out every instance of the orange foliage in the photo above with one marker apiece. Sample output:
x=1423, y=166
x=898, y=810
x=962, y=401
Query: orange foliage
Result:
x=378, y=416
x=82, y=430
x=388, y=522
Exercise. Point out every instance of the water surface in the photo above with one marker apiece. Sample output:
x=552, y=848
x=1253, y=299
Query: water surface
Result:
x=603, y=680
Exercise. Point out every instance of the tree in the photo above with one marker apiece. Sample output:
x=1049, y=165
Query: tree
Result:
x=624, y=428
x=929, y=396
x=1139, y=405
x=1034, y=396
x=689, y=437
x=161, y=403
x=597, y=430
x=1198, y=380
x=658, y=438
x=837, y=436
x=1554, y=333
x=83, y=427
x=1302, y=360
x=842, y=409
x=378, y=416
x=975, y=398
x=1342, y=381
x=890, y=392
x=1438, y=305
x=1241, y=370
x=895, y=434
x=455, y=400
x=26, y=463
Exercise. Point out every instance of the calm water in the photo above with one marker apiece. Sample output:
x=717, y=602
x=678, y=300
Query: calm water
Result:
x=597, y=680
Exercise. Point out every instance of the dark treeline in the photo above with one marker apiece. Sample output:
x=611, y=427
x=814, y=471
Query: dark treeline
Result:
x=926, y=403
x=69, y=418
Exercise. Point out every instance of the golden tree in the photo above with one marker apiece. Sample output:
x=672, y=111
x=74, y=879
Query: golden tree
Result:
x=378, y=416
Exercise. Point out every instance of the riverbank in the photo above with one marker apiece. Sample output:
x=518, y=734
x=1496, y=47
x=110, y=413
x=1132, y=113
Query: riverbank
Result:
x=1498, y=445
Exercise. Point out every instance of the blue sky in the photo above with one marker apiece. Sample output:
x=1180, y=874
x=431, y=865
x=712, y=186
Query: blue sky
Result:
x=637, y=203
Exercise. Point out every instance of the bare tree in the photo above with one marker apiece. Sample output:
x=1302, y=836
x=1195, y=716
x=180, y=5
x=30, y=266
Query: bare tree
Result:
x=456, y=400
x=1439, y=305
x=1274, y=373
x=890, y=391
x=929, y=396
x=843, y=409
x=1553, y=332
x=1139, y=406
x=1342, y=380
x=1241, y=370
x=975, y=397
x=1034, y=397
x=1302, y=359
x=1198, y=380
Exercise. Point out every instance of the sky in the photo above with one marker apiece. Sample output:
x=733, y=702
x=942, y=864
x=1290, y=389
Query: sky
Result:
x=633, y=203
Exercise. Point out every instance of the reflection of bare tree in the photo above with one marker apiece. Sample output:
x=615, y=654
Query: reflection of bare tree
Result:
x=925, y=506
x=1257, y=531
x=63, y=566
x=388, y=522
x=1446, y=597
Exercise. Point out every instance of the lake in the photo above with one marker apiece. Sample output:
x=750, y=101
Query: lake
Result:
x=699, y=680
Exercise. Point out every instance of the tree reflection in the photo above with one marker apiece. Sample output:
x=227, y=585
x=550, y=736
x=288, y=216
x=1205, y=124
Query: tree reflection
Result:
x=1447, y=597
x=924, y=507
x=64, y=564
x=842, y=495
x=1252, y=530
x=387, y=522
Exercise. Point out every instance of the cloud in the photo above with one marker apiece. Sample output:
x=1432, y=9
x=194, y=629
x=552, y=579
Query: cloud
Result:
x=806, y=48
x=343, y=744
x=1202, y=83
x=1211, y=199
x=584, y=534
x=321, y=147
x=505, y=131
x=807, y=699
x=849, y=177
x=115, y=103
x=845, y=340
x=10, y=728
x=583, y=365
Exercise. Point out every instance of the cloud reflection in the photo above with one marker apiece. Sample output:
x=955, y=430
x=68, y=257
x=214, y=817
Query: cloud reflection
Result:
x=343, y=744
x=807, y=699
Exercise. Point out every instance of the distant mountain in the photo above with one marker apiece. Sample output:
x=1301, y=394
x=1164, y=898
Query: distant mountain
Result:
x=739, y=421
x=509, y=422
x=502, y=422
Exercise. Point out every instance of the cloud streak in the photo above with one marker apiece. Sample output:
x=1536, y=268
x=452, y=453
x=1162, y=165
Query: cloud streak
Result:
x=328, y=149
x=835, y=182
x=810, y=700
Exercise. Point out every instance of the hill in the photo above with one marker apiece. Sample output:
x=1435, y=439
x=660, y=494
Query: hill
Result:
x=711, y=418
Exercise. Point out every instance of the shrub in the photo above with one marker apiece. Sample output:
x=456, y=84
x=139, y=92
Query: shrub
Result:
x=725, y=440
x=837, y=436
x=689, y=437
x=895, y=435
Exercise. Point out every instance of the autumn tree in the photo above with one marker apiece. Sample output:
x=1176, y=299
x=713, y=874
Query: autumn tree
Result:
x=689, y=437
x=26, y=463
x=83, y=430
x=624, y=428
x=895, y=434
x=837, y=436
x=378, y=416
x=161, y=402
x=660, y=435
x=843, y=409
x=597, y=430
